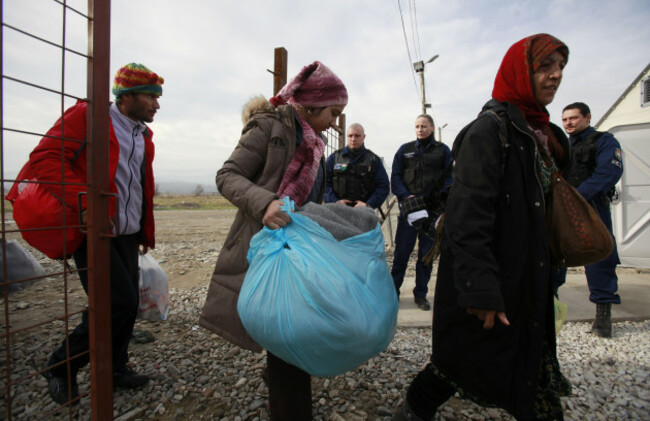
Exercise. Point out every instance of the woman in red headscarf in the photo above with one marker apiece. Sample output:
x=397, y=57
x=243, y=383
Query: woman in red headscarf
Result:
x=493, y=323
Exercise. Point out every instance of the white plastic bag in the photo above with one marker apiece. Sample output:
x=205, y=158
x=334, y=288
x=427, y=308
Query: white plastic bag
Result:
x=154, y=290
x=20, y=265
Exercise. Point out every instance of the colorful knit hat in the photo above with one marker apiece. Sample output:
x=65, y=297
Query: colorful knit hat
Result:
x=315, y=86
x=135, y=77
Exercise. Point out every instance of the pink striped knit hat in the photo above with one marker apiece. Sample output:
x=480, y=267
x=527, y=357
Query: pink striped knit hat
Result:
x=315, y=86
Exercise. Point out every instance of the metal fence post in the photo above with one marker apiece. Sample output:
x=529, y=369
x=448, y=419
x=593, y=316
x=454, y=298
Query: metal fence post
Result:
x=98, y=237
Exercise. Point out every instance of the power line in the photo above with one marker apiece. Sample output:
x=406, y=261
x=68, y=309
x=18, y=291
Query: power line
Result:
x=408, y=51
x=416, y=31
x=416, y=37
x=416, y=41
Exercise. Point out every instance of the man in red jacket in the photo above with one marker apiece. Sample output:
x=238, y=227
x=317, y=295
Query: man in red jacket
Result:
x=131, y=152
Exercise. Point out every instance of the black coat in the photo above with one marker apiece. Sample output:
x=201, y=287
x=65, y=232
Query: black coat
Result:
x=495, y=256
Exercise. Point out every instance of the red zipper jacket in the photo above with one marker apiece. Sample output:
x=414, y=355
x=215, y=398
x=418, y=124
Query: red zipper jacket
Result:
x=44, y=165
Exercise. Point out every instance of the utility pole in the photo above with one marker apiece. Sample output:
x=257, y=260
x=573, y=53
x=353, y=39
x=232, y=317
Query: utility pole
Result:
x=419, y=68
x=440, y=132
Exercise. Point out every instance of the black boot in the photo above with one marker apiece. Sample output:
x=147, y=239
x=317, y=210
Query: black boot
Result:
x=60, y=390
x=405, y=413
x=422, y=303
x=603, y=324
x=128, y=379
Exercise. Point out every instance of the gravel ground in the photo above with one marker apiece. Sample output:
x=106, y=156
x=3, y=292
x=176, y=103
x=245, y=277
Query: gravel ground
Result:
x=197, y=375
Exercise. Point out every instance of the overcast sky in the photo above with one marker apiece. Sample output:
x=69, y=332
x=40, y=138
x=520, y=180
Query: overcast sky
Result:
x=214, y=56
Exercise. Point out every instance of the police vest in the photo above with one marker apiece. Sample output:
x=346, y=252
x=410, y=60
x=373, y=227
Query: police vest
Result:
x=354, y=181
x=584, y=159
x=421, y=171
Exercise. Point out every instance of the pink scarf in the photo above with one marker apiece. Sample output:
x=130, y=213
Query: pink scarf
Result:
x=299, y=178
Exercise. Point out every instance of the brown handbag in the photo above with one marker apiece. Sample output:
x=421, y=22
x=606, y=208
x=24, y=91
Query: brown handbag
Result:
x=577, y=235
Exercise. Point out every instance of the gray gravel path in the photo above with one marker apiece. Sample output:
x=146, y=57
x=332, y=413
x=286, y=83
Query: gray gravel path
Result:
x=198, y=376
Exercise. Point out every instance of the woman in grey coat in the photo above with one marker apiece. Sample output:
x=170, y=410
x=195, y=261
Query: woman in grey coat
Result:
x=280, y=153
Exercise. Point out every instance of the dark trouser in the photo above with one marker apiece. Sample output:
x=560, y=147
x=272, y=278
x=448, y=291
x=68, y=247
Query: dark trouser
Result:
x=404, y=243
x=289, y=391
x=601, y=276
x=124, y=307
x=427, y=392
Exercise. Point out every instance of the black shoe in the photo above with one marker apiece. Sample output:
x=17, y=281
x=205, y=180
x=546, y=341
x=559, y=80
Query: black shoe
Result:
x=603, y=324
x=58, y=388
x=405, y=413
x=422, y=303
x=129, y=379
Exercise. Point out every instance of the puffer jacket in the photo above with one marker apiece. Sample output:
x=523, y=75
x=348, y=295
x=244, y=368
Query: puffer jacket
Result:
x=45, y=165
x=249, y=179
x=495, y=256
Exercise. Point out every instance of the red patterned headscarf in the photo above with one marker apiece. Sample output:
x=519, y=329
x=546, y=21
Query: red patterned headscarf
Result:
x=514, y=82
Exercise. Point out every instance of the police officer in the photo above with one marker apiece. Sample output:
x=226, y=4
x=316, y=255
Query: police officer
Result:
x=417, y=168
x=355, y=175
x=596, y=168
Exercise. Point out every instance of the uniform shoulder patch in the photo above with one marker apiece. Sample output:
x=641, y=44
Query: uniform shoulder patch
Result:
x=617, y=154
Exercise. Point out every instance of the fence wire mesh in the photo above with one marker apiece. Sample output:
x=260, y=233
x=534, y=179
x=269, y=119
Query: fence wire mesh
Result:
x=45, y=70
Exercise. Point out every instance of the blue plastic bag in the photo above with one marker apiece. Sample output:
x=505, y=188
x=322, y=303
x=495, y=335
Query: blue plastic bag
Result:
x=323, y=305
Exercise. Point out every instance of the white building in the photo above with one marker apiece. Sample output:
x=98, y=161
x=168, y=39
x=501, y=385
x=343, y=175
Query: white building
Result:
x=629, y=121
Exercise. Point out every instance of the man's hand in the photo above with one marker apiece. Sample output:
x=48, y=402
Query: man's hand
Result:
x=274, y=217
x=360, y=204
x=351, y=203
x=488, y=317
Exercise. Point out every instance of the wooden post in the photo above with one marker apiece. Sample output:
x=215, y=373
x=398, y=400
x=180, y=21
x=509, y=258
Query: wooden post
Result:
x=280, y=69
x=342, y=132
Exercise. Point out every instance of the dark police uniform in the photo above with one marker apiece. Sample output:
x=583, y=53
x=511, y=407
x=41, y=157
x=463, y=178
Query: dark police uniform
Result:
x=416, y=168
x=596, y=168
x=356, y=176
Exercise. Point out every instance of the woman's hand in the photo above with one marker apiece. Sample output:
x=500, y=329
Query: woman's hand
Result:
x=488, y=317
x=274, y=217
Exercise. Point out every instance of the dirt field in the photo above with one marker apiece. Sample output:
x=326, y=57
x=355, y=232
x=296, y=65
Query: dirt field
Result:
x=187, y=246
x=188, y=243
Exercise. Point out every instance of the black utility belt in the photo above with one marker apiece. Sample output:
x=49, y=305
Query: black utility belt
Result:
x=411, y=204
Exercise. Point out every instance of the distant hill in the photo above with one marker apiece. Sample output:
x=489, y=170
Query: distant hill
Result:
x=169, y=187
x=183, y=187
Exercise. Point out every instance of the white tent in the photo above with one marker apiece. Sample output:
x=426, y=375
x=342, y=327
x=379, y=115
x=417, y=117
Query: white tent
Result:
x=629, y=121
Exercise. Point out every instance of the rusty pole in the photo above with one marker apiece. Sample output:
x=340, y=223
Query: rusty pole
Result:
x=280, y=69
x=99, y=293
x=342, y=133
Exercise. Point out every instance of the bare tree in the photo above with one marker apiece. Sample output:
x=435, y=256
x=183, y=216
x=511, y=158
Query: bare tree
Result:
x=198, y=190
